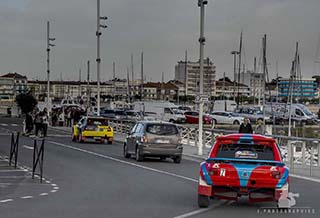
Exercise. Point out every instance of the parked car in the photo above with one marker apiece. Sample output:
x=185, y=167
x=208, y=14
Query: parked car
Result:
x=252, y=113
x=192, y=117
x=221, y=117
x=92, y=128
x=244, y=165
x=154, y=139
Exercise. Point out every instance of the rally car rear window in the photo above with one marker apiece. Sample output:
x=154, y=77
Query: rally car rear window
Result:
x=162, y=129
x=245, y=151
x=100, y=122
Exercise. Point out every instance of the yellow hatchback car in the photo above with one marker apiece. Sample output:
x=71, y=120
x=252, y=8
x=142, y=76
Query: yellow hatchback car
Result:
x=94, y=129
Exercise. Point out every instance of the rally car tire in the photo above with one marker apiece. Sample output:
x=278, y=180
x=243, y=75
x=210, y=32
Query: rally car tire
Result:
x=203, y=201
x=125, y=151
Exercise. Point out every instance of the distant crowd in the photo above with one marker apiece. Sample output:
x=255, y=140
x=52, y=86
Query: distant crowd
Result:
x=37, y=121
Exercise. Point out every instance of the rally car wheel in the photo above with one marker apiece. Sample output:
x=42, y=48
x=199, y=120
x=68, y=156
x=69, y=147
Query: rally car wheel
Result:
x=125, y=151
x=139, y=157
x=203, y=201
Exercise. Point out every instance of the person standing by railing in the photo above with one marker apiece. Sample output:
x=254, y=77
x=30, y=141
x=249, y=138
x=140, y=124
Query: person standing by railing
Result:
x=259, y=128
x=246, y=127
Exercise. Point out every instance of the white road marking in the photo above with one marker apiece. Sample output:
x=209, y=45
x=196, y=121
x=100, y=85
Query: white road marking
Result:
x=43, y=194
x=26, y=197
x=6, y=171
x=53, y=191
x=202, y=210
x=125, y=162
x=13, y=124
x=56, y=188
x=61, y=136
x=47, y=181
x=27, y=147
x=4, y=134
x=305, y=178
x=6, y=200
x=4, y=185
x=4, y=124
x=14, y=177
x=53, y=184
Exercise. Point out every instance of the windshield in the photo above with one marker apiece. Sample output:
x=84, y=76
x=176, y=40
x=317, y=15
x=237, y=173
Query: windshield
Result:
x=176, y=111
x=162, y=129
x=306, y=111
x=97, y=121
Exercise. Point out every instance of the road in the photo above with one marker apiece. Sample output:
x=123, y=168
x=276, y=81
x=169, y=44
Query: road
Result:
x=94, y=180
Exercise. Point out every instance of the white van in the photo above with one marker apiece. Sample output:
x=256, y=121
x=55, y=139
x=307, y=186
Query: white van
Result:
x=162, y=110
x=224, y=105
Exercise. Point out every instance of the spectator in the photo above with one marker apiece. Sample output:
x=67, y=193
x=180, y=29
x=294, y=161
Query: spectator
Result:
x=38, y=122
x=54, y=118
x=259, y=128
x=69, y=117
x=45, y=122
x=246, y=127
x=61, y=119
x=29, y=123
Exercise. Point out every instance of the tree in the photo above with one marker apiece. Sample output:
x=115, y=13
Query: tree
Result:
x=26, y=101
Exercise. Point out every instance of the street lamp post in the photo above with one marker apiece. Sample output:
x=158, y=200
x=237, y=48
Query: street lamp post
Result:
x=98, y=60
x=234, y=53
x=49, y=45
x=201, y=4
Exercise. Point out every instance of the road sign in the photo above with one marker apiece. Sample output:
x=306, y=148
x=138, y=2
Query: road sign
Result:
x=202, y=98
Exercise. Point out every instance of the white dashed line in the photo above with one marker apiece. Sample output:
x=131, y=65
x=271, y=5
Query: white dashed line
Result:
x=27, y=197
x=4, y=124
x=53, y=184
x=43, y=194
x=56, y=188
x=53, y=191
x=6, y=200
x=27, y=147
x=13, y=124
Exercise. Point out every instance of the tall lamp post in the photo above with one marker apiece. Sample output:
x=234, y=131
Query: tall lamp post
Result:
x=201, y=4
x=98, y=60
x=234, y=53
x=49, y=45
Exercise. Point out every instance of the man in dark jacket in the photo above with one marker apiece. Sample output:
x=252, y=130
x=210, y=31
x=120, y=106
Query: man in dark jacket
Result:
x=246, y=127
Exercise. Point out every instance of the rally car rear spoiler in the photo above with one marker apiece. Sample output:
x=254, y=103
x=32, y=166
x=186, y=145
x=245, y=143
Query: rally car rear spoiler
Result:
x=229, y=160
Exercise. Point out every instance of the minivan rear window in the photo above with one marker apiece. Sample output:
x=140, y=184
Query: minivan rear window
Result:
x=162, y=129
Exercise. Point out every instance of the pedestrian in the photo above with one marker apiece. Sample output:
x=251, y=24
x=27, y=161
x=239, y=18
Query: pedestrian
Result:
x=54, y=118
x=38, y=122
x=69, y=117
x=246, y=127
x=259, y=128
x=29, y=123
x=45, y=122
x=61, y=119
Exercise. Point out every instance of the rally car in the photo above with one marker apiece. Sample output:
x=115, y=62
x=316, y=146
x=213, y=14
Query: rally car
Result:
x=92, y=128
x=243, y=165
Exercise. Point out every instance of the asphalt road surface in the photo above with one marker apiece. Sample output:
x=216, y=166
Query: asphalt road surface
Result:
x=94, y=180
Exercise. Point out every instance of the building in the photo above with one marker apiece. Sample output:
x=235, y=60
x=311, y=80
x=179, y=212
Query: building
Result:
x=189, y=74
x=160, y=91
x=20, y=82
x=254, y=81
x=226, y=88
x=7, y=88
x=303, y=88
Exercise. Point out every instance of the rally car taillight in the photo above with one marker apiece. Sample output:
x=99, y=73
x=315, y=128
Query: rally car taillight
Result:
x=213, y=171
x=276, y=174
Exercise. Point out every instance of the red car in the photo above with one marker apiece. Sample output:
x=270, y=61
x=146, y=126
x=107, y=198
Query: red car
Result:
x=244, y=165
x=193, y=117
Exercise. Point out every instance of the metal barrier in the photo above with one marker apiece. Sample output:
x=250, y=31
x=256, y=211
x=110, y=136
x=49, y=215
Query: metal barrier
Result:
x=14, y=148
x=300, y=154
x=38, y=157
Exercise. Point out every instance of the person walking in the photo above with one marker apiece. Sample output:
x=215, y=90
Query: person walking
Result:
x=259, y=128
x=45, y=122
x=38, y=122
x=61, y=119
x=246, y=127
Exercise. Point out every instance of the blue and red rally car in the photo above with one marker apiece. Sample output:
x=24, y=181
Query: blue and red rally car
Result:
x=243, y=165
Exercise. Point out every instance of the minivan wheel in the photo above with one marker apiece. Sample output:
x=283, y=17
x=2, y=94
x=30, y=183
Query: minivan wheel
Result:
x=236, y=122
x=139, y=157
x=177, y=159
x=203, y=201
x=125, y=151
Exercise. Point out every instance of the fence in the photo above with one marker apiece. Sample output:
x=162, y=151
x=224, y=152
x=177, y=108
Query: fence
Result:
x=300, y=154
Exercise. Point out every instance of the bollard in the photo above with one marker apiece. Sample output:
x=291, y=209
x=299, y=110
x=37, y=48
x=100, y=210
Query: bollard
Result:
x=303, y=153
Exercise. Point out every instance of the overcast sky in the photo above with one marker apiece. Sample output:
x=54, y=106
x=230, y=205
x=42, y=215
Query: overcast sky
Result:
x=162, y=29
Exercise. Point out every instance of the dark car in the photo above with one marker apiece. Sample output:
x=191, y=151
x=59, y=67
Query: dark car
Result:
x=154, y=139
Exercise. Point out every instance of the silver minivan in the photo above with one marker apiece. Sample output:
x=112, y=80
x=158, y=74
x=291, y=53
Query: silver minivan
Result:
x=154, y=139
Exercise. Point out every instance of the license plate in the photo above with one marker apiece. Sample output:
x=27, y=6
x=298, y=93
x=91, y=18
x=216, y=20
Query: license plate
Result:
x=162, y=141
